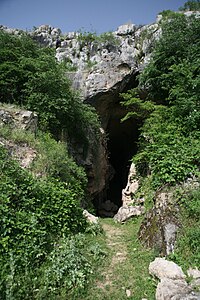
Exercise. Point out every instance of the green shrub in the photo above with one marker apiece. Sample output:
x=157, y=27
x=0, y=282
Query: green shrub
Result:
x=35, y=214
x=187, y=248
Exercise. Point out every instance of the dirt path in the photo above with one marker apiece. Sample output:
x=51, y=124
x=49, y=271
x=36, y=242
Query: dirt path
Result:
x=116, y=280
x=118, y=248
x=124, y=272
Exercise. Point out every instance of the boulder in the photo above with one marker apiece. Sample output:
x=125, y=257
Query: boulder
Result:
x=172, y=285
x=127, y=212
x=90, y=217
x=162, y=268
x=169, y=289
x=160, y=225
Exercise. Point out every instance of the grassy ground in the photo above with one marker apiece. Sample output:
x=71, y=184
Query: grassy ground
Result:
x=124, y=272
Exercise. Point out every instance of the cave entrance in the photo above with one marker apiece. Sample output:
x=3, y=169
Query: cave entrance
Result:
x=122, y=145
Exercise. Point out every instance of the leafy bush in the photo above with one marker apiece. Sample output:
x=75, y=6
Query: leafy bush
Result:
x=35, y=214
x=52, y=158
x=165, y=151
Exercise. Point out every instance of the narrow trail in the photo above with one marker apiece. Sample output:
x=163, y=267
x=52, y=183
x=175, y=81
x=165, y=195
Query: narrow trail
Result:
x=118, y=248
x=124, y=272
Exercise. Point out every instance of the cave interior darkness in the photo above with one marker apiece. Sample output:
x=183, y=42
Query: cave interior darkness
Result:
x=122, y=145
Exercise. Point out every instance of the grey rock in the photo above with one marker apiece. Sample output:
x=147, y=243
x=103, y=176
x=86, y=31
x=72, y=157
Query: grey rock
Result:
x=162, y=268
x=170, y=230
x=90, y=217
x=127, y=212
x=18, y=118
x=169, y=289
x=160, y=224
x=172, y=285
x=126, y=29
x=194, y=273
x=131, y=187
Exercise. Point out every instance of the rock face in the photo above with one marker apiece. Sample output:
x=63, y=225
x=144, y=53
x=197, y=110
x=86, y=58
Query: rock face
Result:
x=172, y=285
x=131, y=206
x=101, y=66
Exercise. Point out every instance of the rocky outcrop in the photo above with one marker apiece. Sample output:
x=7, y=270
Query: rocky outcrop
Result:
x=18, y=118
x=24, y=154
x=172, y=285
x=161, y=224
x=101, y=67
x=131, y=187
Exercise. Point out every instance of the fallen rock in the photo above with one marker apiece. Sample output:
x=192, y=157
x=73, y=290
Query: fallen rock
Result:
x=173, y=285
x=162, y=268
x=169, y=289
x=90, y=217
x=127, y=212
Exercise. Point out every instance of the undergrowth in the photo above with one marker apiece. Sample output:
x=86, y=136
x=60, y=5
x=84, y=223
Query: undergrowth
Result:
x=187, y=248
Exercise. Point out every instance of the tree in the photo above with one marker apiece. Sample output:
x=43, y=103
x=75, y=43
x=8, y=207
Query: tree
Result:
x=193, y=5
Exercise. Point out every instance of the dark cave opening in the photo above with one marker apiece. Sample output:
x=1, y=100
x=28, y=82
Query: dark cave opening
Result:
x=122, y=145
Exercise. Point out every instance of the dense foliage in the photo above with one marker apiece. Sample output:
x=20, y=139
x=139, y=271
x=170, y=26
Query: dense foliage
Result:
x=187, y=248
x=35, y=214
x=41, y=249
x=167, y=99
x=31, y=77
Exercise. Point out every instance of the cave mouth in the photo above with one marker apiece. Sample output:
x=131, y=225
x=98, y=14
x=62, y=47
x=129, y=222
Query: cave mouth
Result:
x=122, y=145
